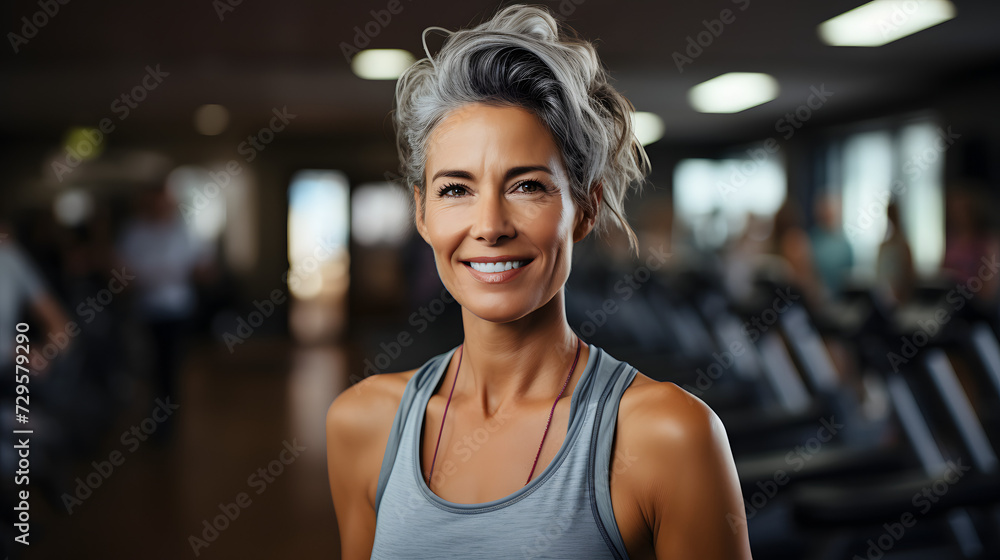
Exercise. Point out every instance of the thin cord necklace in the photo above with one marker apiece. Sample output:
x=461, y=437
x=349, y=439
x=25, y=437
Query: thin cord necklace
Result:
x=579, y=346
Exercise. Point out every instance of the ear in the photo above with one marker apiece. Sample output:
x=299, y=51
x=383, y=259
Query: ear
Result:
x=419, y=219
x=587, y=220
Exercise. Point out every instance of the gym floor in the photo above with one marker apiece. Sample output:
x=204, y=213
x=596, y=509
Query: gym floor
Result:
x=240, y=413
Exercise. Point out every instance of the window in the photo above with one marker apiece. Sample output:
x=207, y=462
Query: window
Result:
x=380, y=214
x=214, y=204
x=714, y=198
x=318, y=207
x=902, y=163
x=319, y=262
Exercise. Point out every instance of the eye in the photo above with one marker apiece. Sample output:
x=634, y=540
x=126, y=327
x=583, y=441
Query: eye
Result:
x=457, y=188
x=530, y=186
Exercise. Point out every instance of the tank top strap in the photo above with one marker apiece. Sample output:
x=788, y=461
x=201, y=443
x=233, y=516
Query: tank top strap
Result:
x=615, y=377
x=424, y=379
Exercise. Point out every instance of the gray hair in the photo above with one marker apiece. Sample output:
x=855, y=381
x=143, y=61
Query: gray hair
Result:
x=522, y=58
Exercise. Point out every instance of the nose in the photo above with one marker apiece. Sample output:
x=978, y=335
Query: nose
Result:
x=492, y=219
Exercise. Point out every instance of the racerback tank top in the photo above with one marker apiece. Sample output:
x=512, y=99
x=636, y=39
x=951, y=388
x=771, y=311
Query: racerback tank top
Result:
x=564, y=512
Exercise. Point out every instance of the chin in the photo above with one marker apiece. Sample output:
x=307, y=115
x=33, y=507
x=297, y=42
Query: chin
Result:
x=500, y=307
x=501, y=312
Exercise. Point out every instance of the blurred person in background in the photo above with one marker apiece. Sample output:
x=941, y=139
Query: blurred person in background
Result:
x=166, y=260
x=742, y=255
x=791, y=243
x=971, y=237
x=831, y=252
x=895, y=271
x=25, y=295
x=22, y=288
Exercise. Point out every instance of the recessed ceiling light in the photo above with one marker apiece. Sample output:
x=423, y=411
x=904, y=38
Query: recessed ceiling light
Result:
x=883, y=21
x=381, y=64
x=648, y=127
x=733, y=92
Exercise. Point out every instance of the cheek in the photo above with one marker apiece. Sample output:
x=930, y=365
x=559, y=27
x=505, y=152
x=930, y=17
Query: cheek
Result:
x=443, y=230
x=548, y=227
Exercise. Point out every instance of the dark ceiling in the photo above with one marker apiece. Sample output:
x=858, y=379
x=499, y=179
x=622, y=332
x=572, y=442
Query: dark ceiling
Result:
x=261, y=55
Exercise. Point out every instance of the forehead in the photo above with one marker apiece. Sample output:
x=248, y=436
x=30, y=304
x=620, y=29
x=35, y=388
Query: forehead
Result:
x=479, y=135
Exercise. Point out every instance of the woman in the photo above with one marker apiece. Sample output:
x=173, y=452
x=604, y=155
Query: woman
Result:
x=523, y=441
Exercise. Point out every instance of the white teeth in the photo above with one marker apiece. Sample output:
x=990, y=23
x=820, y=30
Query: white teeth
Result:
x=496, y=267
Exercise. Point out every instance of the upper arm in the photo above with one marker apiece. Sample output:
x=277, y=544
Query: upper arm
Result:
x=694, y=501
x=349, y=481
x=357, y=430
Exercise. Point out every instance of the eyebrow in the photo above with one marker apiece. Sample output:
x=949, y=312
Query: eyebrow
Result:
x=511, y=173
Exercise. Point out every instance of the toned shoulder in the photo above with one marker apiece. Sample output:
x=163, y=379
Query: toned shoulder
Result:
x=358, y=424
x=678, y=471
x=663, y=420
x=367, y=407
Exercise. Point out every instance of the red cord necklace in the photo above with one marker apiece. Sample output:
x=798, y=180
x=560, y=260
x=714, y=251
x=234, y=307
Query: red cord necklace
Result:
x=579, y=346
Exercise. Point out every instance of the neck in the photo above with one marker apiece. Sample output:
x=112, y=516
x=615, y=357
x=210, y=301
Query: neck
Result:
x=523, y=360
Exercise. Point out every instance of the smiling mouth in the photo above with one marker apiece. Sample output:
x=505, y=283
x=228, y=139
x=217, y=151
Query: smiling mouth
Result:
x=497, y=266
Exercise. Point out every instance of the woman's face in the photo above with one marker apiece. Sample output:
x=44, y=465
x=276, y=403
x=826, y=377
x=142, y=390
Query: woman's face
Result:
x=497, y=188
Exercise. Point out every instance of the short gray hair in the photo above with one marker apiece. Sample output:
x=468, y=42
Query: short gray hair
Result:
x=521, y=57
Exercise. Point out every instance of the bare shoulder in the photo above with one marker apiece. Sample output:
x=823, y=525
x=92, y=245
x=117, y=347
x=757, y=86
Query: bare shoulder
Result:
x=668, y=430
x=367, y=407
x=682, y=476
x=665, y=414
x=357, y=431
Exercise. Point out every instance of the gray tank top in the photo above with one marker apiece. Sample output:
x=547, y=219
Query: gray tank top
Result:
x=565, y=512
